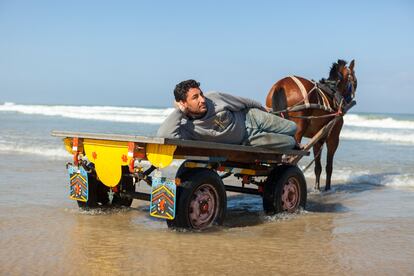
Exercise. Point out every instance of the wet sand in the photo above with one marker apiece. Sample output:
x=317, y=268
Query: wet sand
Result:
x=356, y=229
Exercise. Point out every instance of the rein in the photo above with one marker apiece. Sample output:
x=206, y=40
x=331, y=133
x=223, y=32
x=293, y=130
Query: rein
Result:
x=326, y=132
x=338, y=113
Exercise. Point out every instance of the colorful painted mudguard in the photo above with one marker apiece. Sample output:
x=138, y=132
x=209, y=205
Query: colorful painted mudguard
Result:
x=78, y=178
x=160, y=156
x=163, y=198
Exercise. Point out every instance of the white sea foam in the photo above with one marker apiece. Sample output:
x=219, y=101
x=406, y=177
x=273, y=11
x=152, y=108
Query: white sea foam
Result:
x=338, y=174
x=357, y=127
x=401, y=180
x=384, y=179
x=366, y=121
x=380, y=136
x=157, y=115
x=102, y=113
x=54, y=153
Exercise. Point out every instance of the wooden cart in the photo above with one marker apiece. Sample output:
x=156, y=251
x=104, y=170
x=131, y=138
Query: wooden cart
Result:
x=106, y=168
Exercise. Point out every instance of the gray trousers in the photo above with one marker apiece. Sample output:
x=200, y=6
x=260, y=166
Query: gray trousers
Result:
x=269, y=131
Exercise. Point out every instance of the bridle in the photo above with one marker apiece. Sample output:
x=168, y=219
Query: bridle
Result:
x=350, y=84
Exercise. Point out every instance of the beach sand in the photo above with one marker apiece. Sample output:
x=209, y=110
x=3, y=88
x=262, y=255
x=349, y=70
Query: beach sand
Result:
x=356, y=229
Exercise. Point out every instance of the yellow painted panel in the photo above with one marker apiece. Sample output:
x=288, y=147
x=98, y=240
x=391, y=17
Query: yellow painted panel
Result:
x=68, y=145
x=160, y=156
x=108, y=157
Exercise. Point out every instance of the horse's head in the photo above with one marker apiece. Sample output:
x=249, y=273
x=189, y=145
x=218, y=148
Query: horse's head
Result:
x=344, y=78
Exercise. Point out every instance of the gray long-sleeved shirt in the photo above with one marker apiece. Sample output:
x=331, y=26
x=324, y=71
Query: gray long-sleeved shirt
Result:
x=224, y=121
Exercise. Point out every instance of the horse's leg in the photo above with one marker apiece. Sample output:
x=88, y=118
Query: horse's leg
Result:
x=332, y=143
x=317, y=151
x=300, y=131
x=301, y=127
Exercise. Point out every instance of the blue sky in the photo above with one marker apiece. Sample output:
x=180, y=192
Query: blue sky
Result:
x=132, y=53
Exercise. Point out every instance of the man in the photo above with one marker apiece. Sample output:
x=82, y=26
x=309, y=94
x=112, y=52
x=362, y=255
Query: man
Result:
x=223, y=118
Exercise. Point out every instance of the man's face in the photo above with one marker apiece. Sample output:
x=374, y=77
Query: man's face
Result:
x=195, y=103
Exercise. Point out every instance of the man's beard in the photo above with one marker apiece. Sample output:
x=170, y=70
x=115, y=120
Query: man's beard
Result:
x=197, y=114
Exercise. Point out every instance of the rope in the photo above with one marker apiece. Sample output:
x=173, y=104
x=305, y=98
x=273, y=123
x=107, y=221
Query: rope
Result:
x=320, y=150
x=316, y=117
x=303, y=107
x=337, y=113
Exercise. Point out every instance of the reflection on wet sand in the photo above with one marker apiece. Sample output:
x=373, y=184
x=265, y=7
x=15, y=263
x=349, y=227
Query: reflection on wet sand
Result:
x=355, y=229
x=128, y=241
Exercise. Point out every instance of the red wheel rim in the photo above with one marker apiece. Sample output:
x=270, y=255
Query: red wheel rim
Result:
x=203, y=207
x=290, y=195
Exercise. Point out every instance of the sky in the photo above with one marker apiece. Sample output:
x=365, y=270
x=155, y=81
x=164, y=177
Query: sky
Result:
x=133, y=53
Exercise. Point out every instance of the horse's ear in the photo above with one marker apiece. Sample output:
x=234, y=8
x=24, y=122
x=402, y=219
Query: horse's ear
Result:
x=341, y=64
x=352, y=64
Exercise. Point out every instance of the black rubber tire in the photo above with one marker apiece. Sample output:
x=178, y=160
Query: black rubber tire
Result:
x=182, y=169
x=97, y=194
x=191, y=181
x=126, y=184
x=274, y=187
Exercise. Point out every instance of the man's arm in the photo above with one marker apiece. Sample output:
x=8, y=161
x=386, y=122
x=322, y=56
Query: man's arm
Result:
x=170, y=128
x=234, y=103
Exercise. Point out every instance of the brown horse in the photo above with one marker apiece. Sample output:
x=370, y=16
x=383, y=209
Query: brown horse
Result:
x=313, y=105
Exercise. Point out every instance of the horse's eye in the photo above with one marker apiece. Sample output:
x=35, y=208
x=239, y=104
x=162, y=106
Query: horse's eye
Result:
x=339, y=76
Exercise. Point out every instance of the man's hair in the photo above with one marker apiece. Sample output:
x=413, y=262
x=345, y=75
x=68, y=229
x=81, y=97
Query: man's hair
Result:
x=181, y=89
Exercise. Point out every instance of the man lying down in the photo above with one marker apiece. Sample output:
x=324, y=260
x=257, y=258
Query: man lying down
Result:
x=223, y=118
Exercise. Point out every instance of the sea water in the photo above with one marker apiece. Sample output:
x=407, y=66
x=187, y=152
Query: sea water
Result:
x=364, y=225
x=376, y=147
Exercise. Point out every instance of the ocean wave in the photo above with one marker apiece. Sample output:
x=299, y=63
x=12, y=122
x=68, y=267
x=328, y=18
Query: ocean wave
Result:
x=376, y=122
x=380, y=136
x=337, y=175
x=53, y=153
x=158, y=115
x=405, y=180
x=102, y=113
x=56, y=153
x=350, y=176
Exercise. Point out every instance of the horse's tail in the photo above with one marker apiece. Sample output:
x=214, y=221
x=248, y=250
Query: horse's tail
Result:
x=279, y=102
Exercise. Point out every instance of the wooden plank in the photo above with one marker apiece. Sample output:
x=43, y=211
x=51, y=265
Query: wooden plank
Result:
x=110, y=137
x=178, y=142
x=232, y=147
x=229, y=155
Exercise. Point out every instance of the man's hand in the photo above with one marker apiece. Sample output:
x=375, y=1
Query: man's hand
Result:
x=180, y=106
x=268, y=109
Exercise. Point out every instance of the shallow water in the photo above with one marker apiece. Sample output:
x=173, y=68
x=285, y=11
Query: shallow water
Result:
x=365, y=225
x=354, y=229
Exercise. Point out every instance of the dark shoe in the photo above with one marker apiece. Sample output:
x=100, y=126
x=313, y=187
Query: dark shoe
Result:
x=298, y=147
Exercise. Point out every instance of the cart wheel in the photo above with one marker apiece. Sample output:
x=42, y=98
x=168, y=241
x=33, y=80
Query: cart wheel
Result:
x=97, y=194
x=126, y=184
x=201, y=200
x=284, y=191
x=182, y=169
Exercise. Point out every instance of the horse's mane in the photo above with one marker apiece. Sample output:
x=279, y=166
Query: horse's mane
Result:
x=333, y=73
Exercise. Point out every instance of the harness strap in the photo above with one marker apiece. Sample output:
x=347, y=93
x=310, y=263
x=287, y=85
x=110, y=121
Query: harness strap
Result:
x=302, y=90
x=324, y=99
x=328, y=89
x=323, y=95
x=303, y=107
